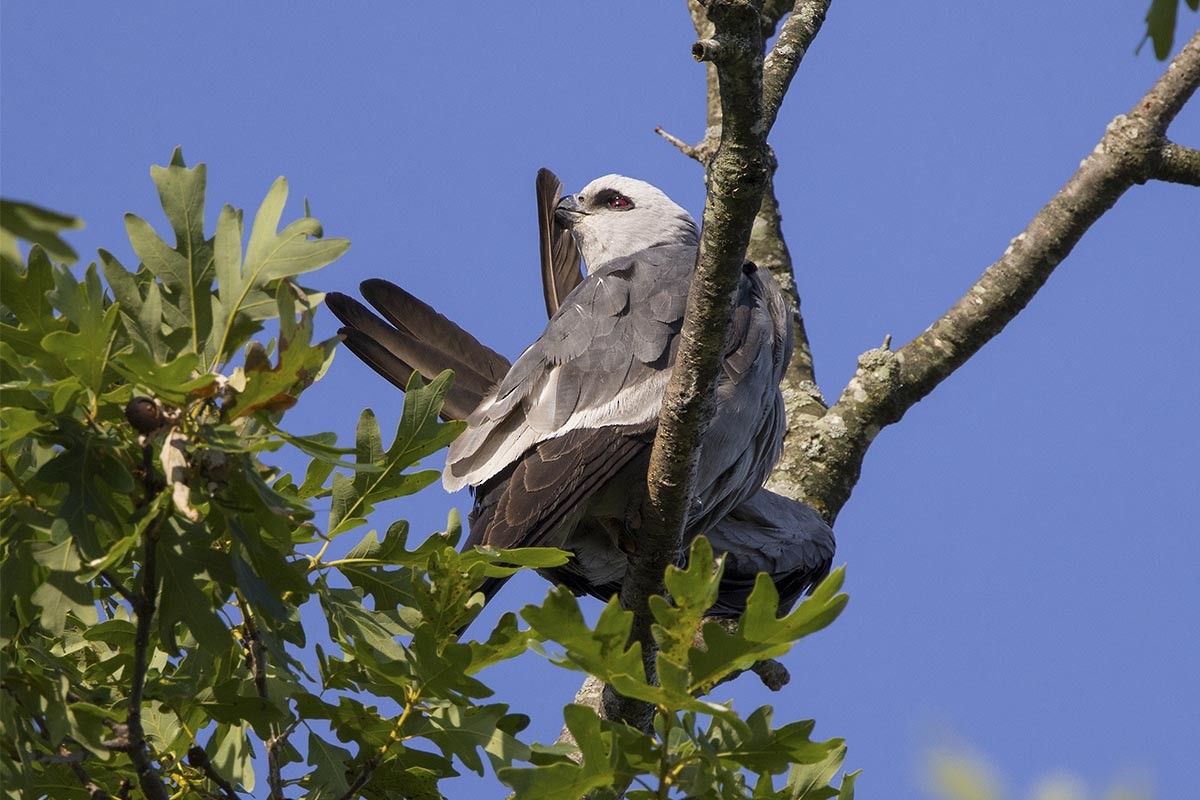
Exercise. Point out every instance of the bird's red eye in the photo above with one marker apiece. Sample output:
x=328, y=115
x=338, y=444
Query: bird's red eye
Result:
x=618, y=201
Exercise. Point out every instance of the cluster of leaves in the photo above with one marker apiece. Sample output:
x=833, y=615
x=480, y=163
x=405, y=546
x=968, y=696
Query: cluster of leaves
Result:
x=698, y=748
x=154, y=567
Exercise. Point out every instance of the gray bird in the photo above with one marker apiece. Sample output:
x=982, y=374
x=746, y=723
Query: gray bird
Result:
x=557, y=450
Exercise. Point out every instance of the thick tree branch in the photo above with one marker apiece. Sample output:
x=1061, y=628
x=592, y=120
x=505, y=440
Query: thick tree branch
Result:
x=736, y=178
x=768, y=247
x=888, y=383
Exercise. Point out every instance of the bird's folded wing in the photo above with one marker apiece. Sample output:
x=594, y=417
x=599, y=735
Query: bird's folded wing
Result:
x=555, y=480
x=602, y=360
x=559, y=255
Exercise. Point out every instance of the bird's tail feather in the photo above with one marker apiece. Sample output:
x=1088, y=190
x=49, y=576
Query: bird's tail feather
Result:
x=418, y=339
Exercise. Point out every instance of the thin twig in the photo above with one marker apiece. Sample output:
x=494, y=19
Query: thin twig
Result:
x=372, y=763
x=65, y=754
x=24, y=493
x=683, y=147
x=116, y=584
x=257, y=653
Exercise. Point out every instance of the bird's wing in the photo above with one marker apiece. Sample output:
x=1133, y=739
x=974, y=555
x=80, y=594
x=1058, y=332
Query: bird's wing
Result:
x=560, y=257
x=520, y=507
x=418, y=340
x=602, y=360
x=745, y=436
x=774, y=534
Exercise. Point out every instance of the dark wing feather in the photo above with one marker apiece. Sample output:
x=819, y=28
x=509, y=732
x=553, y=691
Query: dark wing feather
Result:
x=560, y=257
x=396, y=353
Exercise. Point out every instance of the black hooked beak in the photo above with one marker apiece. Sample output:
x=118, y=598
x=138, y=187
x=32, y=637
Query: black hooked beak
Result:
x=567, y=211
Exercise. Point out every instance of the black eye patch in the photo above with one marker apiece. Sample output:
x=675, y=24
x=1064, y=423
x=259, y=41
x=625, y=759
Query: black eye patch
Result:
x=613, y=199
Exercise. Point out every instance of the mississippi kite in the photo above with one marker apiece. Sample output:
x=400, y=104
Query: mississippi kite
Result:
x=558, y=449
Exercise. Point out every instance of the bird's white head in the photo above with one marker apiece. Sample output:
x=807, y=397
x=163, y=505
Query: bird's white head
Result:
x=616, y=216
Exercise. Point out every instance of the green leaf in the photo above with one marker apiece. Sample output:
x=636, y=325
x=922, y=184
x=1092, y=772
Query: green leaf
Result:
x=271, y=255
x=26, y=296
x=328, y=776
x=440, y=666
x=61, y=594
x=38, y=226
x=693, y=591
x=86, y=461
x=257, y=591
x=499, y=563
x=321, y=446
x=118, y=550
x=1161, y=19
x=810, y=781
x=752, y=744
x=419, y=433
x=175, y=381
x=506, y=641
x=276, y=388
x=233, y=757
x=604, y=652
x=185, y=270
x=18, y=423
x=87, y=352
x=184, y=565
x=760, y=634
x=847, y=789
x=462, y=731
x=368, y=634
x=567, y=780
x=181, y=193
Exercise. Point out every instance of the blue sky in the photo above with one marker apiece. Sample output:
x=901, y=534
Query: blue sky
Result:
x=1022, y=547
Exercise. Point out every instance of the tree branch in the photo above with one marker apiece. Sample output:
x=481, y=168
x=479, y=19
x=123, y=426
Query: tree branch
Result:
x=198, y=758
x=888, y=383
x=1178, y=164
x=736, y=178
x=257, y=654
x=144, y=605
x=768, y=247
x=798, y=32
x=693, y=152
x=94, y=790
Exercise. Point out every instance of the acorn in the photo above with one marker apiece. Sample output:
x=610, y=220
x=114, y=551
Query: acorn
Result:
x=144, y=415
